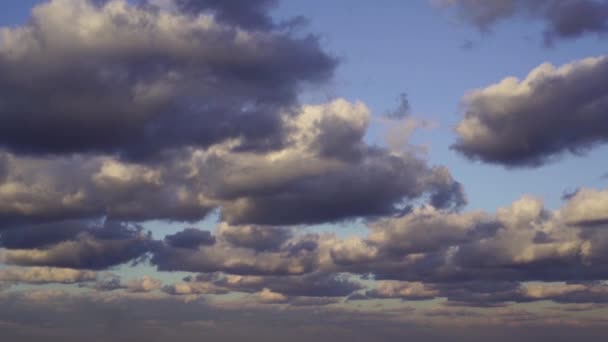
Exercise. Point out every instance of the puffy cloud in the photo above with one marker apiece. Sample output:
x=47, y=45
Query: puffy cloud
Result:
x=564, y=19
x=587, y=206
x=39, y=190
x=41, y=235
x=190, y=238
x=266, y=296
x=402, y=290
x=143, y=284
x=325, y=172
x=223, y=257
x=142, y=80
x=532, y=121
x=424, y=230
x=259, y=238
x=112, y=244
x=194, y=288
x=45, y=275
x=301, y=290
x=519, y=243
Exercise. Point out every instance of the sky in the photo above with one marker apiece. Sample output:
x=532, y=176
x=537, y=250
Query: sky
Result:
x=258, y=170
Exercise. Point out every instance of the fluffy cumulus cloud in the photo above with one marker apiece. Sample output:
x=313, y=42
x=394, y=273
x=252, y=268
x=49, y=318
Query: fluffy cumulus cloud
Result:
x=324, y=172
x=532, y=121
x=563, y=19
x=519, y=254
x=281, y=259
x=469, y=258
x=190, y=238
x=113, y=77
x=42, y=190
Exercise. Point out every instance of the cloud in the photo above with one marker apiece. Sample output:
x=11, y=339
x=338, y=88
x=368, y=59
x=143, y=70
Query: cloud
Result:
x=469, y=258
x=143, y=80
x=45, y=275
x=268, y=297
x=587, y=207
x=251, y=14
x=325, y=172
x=190, y=238
x=259, y=238
x=519, y=243
x=403, y=109
x=143, y=284
x=194, y=288
x=112, y=244
x=402, y=290
x=530, y=122
x=223, y=257
x=317, y=285
x=563, y=19
x=50, y=190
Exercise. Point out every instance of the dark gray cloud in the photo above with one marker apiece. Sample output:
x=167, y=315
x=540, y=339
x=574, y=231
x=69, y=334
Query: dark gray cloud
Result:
x=223, y=258
x=324, y=172
x=95, y=247
x=563, y=19
x=68, y=87
x=41, y=235
x=190, y=238
x=533, y=121
x=82, y=187
x=375, y=186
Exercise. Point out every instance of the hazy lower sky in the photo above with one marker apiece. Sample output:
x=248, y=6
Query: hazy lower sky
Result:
x=261, y=170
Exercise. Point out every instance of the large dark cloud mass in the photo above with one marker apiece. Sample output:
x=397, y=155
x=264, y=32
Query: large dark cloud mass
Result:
x=139, y=81
x=529, y=122
x=564, y=19
x=324, y=172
